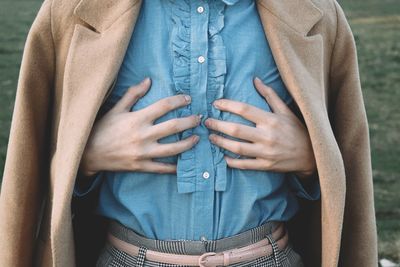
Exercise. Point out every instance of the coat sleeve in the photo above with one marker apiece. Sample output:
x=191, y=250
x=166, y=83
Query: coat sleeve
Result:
x=26, y=172
x=349, y=122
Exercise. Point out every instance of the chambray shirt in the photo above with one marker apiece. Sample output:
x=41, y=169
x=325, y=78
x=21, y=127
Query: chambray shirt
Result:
x=209, y=49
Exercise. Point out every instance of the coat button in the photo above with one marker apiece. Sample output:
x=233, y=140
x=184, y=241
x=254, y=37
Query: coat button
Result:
x=200, y=9
x=206, y=175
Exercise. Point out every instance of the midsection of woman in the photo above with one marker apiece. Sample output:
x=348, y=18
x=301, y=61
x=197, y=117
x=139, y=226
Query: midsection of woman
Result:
x=209, y=50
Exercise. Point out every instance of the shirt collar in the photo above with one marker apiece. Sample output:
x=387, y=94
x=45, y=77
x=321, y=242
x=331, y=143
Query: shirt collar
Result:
x=230, y=2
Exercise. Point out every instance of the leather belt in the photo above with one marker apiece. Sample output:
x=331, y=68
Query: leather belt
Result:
x=210, y=259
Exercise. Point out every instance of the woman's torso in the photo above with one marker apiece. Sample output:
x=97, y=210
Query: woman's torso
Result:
x=168, y=39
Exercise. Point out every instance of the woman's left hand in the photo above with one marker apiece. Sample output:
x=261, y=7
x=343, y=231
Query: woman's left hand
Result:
x=279, y=142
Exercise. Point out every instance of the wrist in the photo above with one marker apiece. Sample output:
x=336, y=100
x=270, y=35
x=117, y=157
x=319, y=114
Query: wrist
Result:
x=85, y=173
x=306, y=177
x=84, y=169
x=309, y=171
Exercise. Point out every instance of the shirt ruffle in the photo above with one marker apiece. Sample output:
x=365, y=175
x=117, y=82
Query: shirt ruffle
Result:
x=216, y=83
x=216, y=58
x=180, y=42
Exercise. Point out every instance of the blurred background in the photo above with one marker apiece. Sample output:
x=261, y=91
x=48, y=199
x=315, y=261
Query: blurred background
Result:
x=376, y=28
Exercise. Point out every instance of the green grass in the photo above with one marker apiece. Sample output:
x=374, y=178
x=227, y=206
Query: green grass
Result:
x=15, y=20
x=376, y=26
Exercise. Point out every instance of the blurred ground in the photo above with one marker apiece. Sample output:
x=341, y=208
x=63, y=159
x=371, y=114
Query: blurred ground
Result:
x=376, y=26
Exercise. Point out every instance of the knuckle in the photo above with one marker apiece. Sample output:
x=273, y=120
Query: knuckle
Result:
x=163, y=169
x=138, y=138
x=274, y=139
x=136, y=155
x=274, y=122
x=170, y=150
x=271, y=163
x=134, y=90
x=235, y=130
x=165, y=104
x=143, y=119
x=194, y=120
x=238, y=149
x=271, y=156
x=145, y=136
x=242, y=167
x=188, y=144
x=174, y=125
x=242, y=108
x=133, y=87
x=131, y=93
x=134, y=166
x=169, y=169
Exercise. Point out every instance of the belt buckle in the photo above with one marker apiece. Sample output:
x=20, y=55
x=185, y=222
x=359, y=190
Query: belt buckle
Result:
x=202, y=258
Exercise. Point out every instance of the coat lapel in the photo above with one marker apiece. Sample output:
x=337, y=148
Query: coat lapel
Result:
x=96, y=52
x=299, y=57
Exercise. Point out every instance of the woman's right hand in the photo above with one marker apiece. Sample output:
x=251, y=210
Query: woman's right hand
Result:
x=124, y=140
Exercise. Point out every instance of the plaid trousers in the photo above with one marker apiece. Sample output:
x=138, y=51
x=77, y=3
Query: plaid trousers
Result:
x=287, y=257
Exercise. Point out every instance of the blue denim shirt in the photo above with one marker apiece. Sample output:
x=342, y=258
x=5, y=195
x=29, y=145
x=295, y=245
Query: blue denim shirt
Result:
x=208, y=49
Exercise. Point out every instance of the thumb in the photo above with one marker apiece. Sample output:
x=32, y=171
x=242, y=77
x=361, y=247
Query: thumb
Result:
x=131, y=96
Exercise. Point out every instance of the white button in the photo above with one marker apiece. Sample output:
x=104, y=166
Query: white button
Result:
x=201, y=59
x=203, y=238
x=200, y=9
x=206, y=175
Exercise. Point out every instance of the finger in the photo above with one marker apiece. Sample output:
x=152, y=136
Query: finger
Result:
x=158, y=167
x=165, y=150
x=245, y=110
x=234, y=129
x=275, y=102
x=159, y=108
x=241, y=148
x=172, y=126
x=131, y=96
x=245, y=164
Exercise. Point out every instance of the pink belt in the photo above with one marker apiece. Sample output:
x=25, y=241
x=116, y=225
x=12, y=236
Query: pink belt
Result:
x=210, y=259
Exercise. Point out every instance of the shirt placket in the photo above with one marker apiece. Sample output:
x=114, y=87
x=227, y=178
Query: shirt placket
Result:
x=203, y=196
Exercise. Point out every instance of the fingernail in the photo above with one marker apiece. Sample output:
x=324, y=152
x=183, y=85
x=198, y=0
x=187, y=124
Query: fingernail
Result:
x=196, y=138
x=145, y=80
x=187, y=97
x=216, y=103
x=257, y=79
x=211, y=137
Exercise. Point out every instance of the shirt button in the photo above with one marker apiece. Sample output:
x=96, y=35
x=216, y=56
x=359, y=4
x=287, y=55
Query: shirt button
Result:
x=201, y=59
x=206, y=175
x=200, y=9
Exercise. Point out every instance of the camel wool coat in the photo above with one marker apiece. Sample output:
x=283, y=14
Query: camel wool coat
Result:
x=70, y=61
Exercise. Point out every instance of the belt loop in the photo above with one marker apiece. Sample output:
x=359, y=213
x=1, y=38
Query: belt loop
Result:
x=275, y=250
x=227, y=258
x=141, y=257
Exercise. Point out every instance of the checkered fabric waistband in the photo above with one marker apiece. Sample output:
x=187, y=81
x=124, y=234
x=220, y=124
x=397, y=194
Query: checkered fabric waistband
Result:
x=193, y=247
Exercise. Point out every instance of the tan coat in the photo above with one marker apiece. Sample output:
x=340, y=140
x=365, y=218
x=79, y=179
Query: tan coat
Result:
x=71, y=58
